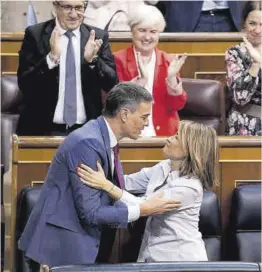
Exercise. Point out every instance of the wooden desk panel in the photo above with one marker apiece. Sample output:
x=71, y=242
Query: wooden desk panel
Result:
x=205, y=51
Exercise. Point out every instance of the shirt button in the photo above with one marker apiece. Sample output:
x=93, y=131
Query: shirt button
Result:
x=158, y=127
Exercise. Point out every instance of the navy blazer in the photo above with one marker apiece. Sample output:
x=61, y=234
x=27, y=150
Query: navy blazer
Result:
x=65, y=224
x=182, y=16
x=40, y=85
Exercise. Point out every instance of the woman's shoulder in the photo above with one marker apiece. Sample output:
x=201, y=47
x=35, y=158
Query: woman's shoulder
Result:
x=237, y=49
x=122, y=52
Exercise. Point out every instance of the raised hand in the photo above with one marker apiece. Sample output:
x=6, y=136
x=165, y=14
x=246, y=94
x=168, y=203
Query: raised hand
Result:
x=55, y=43
x=44, y=268
x=92, y=47
x=158, y=204
x=255, y=55
x=143, y=75
x=95, y=179
x=176, y=65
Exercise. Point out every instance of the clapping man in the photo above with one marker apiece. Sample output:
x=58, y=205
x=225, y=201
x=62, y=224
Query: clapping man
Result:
x=63, y=66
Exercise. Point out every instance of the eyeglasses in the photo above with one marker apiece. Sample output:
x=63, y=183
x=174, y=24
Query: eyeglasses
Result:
x=69, y=8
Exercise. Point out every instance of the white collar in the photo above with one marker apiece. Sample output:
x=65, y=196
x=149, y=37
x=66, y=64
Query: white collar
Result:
x=62, y=31
x=112, y=137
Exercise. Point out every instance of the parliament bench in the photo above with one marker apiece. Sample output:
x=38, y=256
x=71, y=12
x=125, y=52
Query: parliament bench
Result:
x=244, y=232
x=209, y=225
x=164, y=267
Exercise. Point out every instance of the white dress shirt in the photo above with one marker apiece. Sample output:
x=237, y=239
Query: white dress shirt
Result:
x=59, y=110
x=174, y=235
x=214, y=4
x=134, y=210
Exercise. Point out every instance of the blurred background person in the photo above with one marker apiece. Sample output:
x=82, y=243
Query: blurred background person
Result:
x=14, y=14
x=202, y=16
x=63, y=66
x=186, y=172
x=244, y=63
x=156, y=70
x=111, y=15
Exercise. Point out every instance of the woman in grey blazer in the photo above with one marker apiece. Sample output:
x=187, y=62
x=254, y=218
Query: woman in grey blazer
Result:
x=189, y=169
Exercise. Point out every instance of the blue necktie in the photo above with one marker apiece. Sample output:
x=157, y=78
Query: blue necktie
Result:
x=70, y=83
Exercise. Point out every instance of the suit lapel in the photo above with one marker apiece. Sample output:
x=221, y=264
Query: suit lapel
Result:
x=105, y=135
x=46, y=36
x=131, y=63
x=84, y=33
x=160, y=71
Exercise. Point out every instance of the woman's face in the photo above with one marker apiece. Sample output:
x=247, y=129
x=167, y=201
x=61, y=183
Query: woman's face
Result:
x=173, y=149
x=145, y=39
x=253, y=26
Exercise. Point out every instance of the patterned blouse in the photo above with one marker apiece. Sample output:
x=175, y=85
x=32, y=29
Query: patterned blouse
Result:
x=243, y=89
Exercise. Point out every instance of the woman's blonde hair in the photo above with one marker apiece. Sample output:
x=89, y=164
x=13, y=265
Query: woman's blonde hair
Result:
x=200, y=144
x=148, y=16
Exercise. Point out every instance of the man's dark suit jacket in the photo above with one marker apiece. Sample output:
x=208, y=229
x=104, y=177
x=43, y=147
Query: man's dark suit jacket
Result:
x=40, y=85
x=182, y=16
x=66, y=223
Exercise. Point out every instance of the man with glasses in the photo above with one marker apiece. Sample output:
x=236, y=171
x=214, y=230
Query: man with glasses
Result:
x=64, y=65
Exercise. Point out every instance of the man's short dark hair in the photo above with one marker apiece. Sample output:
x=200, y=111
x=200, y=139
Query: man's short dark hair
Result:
x=125, y=95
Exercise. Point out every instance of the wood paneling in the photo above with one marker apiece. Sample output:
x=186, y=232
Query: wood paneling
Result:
x=240, y=159
x=205, y=51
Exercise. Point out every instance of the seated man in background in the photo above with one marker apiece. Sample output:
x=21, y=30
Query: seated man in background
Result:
x=63, y=66
x=156, y=70
x=203, y=16
x=71, y=222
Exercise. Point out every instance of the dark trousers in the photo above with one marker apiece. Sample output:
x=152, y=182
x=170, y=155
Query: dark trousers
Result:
x=215, y=22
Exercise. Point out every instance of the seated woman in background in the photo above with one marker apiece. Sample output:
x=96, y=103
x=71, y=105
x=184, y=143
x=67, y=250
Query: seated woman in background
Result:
x=190, y=167
x=156, y=70
x=244, y=63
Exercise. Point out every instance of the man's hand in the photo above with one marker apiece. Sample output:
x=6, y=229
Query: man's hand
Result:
x=44, y=268
x=92, y=47
x=55, y=43
x=158, y=204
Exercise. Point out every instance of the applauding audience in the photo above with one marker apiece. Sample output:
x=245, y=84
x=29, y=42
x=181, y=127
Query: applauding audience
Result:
x=156, y=70
x=244, y=63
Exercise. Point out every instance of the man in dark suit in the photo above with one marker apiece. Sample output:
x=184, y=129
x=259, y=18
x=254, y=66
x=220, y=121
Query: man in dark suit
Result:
x=203, y=16
x=63, y=67
x=73, y=223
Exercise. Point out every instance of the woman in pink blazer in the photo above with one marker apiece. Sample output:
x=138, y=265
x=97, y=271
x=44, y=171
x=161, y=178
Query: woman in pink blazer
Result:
x=156, y=70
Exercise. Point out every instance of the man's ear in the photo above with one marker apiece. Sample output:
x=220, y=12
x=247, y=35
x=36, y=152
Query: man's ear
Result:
x=124, y=113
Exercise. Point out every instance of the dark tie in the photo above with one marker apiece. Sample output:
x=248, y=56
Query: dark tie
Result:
x=70, y=83
x=118, y=167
